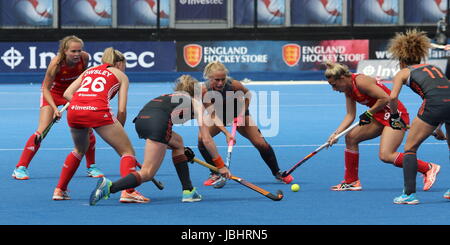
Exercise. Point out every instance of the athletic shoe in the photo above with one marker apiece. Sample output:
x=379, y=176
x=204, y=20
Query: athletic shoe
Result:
x=191, y=196
x=59, y=195
x=133, y=197
x=94, y=172
x=447, y=194
x=354, y=186
x=220, y=182
x=101, y=191
x=211, y=180
x=20, y=173
x=288, y=179
x=406, y=199
x=430, y=176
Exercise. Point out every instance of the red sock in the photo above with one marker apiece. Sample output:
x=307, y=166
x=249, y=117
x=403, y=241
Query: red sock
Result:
x=127, y=166
x=69, y=168
x=398, y=162
x=422, y=166
x=351, y=166
x=90, y=153
x=29, y=151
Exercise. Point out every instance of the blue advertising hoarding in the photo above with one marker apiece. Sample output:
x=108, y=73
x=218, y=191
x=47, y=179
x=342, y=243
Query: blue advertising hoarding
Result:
x=81, y=13
x=268, y=12
x=142, y=13
x=32, y=59
x=425, y=11
x=376, y=12
x=28, y=13
x=201, y=10
x=306, y=12
x=164, y=61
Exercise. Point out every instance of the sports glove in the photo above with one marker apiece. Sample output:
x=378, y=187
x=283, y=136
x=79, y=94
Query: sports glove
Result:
x=397, y=122
x=189, y=154
x=365, y=118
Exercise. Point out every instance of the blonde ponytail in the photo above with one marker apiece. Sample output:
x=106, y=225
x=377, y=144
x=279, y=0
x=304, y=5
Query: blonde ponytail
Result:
x=112, y=56
x=187, y=84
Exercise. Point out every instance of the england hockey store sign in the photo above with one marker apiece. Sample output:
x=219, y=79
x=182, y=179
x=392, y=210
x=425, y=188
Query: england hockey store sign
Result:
x=257, y=56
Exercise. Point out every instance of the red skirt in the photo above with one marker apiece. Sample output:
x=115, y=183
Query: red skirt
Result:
x=88, y=117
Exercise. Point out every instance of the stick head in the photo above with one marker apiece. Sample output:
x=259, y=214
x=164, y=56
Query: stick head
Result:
x=276, y=197
x=279, y=195
x=284, y=174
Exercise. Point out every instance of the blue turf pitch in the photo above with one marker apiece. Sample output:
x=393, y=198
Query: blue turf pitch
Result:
x=308, y=114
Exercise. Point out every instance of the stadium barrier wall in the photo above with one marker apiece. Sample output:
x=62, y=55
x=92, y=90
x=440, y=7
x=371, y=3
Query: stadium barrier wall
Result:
x=153, y=61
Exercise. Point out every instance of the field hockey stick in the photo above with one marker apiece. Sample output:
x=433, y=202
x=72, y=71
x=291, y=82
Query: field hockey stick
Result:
x=231, y=143
x=286, y=173
x=157, y=183
x=275, y=197
x=222, y=181
x=39, y=138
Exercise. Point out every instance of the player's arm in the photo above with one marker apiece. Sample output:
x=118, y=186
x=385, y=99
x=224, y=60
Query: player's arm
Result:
x=73, y=87
x=347, y=121
x=399, y=79
x=215, y=119
x=47, y=84
x=207, y=139
x=221, y=126
x=123, y=96
x=238, y=86
x=50, y=75
x=437, y=46
x=368, y=85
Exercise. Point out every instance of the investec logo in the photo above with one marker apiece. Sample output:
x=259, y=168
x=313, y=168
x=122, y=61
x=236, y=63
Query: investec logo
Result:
x=12, y=57
x=200, y=2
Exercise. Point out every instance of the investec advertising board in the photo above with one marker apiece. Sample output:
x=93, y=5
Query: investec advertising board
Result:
x=254, y=56
x=28, y=57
